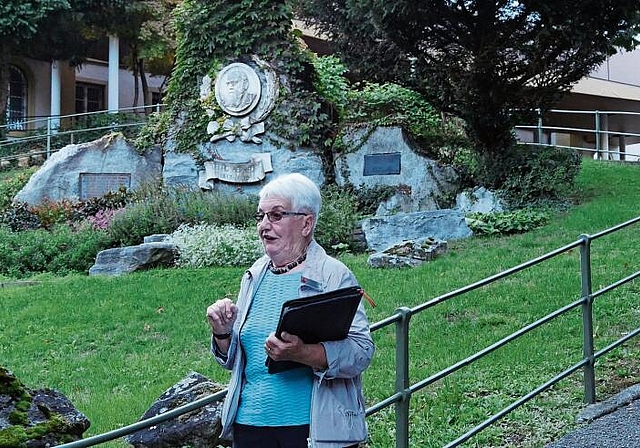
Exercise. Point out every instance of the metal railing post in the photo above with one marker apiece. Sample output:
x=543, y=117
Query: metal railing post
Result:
x=402, y=377
x=597, y=118
x=587, y=321
x=48, y=136
x=540, y=131
x=604, y=145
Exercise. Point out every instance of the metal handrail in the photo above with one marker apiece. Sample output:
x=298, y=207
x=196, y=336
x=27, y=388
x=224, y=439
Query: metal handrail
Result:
x=581, y=130
x=51, y=130
x=598, y=131
x=144, y=424
x=45, y=118
x=402, y=317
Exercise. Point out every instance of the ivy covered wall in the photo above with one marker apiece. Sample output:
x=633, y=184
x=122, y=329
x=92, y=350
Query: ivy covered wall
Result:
x=212, y=34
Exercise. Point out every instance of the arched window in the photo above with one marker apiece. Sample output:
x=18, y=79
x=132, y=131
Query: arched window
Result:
x=17, y=100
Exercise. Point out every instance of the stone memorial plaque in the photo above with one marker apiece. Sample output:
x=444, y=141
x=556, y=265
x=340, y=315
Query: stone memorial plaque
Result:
x=381, y=164
x=94, y=185
x=238, y=89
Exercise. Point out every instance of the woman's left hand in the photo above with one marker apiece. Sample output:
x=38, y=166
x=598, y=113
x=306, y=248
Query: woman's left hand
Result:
x=286, y=349
x=291, y=348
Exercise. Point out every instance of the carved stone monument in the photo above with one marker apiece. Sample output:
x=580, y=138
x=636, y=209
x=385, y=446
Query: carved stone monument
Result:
x=238, y=89
x=247, y=92
x=237, y=157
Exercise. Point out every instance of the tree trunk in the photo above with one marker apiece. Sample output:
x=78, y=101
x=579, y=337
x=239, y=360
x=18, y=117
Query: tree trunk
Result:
x=5, y=56
x=146, y=94
x=136, y=86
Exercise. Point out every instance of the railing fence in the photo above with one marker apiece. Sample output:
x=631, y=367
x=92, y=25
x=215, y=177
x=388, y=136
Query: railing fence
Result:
x=543, y=132
x=67, y=129
x=402, y=319
x=601, y=132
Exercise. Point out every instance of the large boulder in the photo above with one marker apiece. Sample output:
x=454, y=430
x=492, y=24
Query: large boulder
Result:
x=479, y=200
x=122, y=260
x=79, y=172
x=36, y=418
x=200, y=428
x=180, y=170
x=410, y=254
x=382, y=232
x=386, y=158
x=234, y=162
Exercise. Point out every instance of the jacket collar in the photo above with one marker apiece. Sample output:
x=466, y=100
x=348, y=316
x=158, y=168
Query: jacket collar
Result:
x=312, y=267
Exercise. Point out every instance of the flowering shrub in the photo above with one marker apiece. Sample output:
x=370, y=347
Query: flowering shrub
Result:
x=102, y=219
x=112, y=200
x=19, y=216
x=12, y=184
x=51, y=212
x=203, y=245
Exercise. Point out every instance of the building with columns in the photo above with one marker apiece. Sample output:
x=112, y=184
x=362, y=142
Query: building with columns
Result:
x=39, y=89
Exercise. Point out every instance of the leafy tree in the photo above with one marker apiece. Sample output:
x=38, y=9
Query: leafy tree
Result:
x=20, y=20
x=481, y=60
x=157, y=42
x=60, y=37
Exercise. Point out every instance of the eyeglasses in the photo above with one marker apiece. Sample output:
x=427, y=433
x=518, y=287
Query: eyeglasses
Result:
x=276, y=216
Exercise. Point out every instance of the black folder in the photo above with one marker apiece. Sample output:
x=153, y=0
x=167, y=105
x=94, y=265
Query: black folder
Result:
x=323, y=317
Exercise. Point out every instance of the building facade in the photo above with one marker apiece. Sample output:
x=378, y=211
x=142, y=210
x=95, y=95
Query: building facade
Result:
x=600, y=114
x=42, y=89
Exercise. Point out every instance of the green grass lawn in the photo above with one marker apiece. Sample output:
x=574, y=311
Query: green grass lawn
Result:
x=113, y=345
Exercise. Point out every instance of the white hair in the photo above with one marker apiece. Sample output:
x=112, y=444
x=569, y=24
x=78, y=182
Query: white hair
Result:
x=298, y=189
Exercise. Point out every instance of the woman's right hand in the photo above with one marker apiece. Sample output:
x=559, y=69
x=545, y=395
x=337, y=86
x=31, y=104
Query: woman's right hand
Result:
x=221, y=316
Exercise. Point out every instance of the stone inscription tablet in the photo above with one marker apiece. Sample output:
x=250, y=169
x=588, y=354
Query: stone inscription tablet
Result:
x=381, y=164
x=94, y=185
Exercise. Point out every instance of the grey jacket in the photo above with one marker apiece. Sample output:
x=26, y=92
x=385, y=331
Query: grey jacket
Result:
x=337, y=403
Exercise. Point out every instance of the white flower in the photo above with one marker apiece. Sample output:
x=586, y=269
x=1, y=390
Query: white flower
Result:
x=216, y=245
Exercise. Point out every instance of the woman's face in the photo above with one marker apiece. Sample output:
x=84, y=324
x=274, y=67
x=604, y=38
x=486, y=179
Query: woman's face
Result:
x=286, y=239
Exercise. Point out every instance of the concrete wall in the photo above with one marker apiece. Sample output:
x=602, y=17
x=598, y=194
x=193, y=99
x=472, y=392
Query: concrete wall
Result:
x=621, y=67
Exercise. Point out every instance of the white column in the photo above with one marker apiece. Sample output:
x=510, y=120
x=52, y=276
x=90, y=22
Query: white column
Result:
x=56, y=82
x=114, y=67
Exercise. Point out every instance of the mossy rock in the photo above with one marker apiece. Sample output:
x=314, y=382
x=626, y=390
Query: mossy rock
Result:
x=36, y=418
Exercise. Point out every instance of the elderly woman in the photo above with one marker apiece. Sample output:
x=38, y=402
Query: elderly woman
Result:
x=316, y=406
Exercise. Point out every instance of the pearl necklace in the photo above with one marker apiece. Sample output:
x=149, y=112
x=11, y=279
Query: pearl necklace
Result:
x=288, y=267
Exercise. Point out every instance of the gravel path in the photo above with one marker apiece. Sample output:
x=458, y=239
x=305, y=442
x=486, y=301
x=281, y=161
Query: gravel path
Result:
x=614, y=423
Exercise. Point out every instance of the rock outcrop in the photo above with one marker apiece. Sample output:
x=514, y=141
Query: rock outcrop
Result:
x=200, y=428
x=382, y=232
x=121, y=260
x=408, y=254
x=79, y=172
x=36, y=418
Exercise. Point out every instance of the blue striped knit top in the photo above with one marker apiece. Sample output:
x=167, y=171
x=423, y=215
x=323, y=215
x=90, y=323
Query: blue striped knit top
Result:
x=281, y=399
